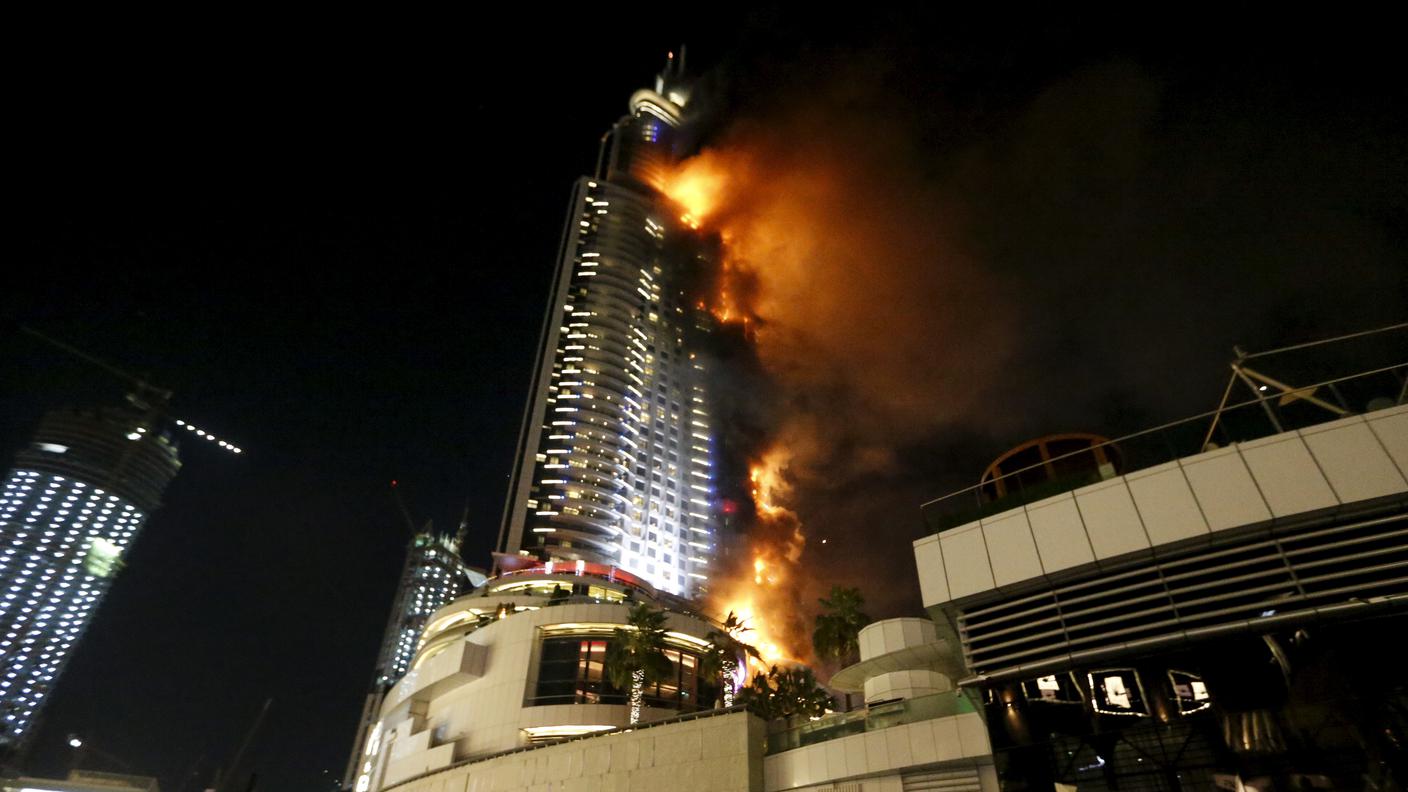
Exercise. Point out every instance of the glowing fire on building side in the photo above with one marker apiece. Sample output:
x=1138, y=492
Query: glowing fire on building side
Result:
x=761, y=588
x=758, y=589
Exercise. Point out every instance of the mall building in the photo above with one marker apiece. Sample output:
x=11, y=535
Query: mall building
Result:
x=508, y=691
x=1134, y=618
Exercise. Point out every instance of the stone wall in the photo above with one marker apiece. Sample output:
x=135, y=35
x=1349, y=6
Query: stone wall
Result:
x=712, y=754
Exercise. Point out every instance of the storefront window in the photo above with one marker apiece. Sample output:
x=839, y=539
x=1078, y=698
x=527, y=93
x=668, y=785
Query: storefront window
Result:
x=573, y=671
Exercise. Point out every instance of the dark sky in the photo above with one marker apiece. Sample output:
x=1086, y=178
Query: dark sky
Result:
x=334, y=245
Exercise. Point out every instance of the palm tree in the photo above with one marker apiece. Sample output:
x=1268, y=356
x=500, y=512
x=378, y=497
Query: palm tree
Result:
x=790, y=692
x=635, y=657
x=719, y=663
x=837, y=635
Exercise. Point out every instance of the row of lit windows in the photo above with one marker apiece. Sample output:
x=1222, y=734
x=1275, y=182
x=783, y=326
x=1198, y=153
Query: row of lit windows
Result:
x=62, y=538
x=662, y=489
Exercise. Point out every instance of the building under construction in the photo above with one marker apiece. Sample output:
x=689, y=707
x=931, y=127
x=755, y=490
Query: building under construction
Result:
x=433, y=575
x=74, y=502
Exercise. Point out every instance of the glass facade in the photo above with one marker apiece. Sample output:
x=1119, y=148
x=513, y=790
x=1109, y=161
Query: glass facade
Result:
x=71, y=507
x=617, y=452
x=573, y=671
x=433, y=576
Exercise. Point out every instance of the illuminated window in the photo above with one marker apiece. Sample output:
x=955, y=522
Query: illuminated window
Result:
x=1118, y=691
x=573, y=671
x=1191, y=692
x=1054, y=689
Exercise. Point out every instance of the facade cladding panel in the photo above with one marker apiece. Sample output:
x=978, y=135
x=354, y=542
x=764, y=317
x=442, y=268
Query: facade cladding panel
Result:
x=1255, y=582
x=72, y=506
x=615, y=460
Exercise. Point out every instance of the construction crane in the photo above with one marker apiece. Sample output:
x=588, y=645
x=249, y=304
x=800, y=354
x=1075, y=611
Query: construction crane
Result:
x=456, y=541
x=150, y=399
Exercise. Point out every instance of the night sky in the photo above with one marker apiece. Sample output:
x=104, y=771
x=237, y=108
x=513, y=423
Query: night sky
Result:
x=334, y=245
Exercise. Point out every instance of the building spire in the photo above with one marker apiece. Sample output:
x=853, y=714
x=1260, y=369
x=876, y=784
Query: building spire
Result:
x=671, y=82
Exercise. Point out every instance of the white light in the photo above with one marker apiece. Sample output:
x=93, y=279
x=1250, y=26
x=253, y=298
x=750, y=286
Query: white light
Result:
x=74, y=742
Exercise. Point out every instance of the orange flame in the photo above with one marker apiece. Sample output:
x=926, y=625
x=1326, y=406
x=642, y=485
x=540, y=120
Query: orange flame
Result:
x=700, y=186
x=764, y=592
x=697, y=186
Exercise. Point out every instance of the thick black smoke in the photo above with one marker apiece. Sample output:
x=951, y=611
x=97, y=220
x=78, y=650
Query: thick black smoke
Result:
x=949, y=261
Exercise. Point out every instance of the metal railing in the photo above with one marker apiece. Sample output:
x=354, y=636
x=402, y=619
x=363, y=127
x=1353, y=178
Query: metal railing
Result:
x=1268, y=414
x=783, y=736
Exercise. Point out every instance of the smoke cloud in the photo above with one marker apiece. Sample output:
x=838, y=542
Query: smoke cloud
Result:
x=928, y=280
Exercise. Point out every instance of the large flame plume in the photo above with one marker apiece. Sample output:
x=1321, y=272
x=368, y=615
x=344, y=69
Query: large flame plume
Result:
x=766, y=577
x=837, y=265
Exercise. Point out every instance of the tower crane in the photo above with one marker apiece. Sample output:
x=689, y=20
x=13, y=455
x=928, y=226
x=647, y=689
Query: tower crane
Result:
x=145, y=396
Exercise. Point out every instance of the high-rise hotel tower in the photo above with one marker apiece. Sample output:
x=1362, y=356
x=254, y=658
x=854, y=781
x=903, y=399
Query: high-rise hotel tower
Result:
x=614, y=463
x=72, y=505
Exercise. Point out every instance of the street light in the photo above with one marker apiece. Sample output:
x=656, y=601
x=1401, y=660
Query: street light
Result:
x=74, y=741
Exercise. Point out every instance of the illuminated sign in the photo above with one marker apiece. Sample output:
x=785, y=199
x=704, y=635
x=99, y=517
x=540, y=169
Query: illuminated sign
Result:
x=1054, y=689
x=1191, y=692
x=1118, y=691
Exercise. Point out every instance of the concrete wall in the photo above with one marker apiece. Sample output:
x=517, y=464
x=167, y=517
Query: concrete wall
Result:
x=712, y=754
x=906, y=685
x=874, y=761
x=470, y=701
x=1327, y=466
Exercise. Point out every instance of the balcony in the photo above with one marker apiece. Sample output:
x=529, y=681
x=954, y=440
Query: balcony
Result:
x=458, y=663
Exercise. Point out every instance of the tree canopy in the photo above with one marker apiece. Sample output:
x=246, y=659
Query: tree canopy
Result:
x=719, y=662
x=785, y=693
x=837, y=635
x=635, y=656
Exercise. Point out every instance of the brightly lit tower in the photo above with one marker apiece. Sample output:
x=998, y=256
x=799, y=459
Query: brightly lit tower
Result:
x=433, y=576
x=73, y=503
x=615, y=458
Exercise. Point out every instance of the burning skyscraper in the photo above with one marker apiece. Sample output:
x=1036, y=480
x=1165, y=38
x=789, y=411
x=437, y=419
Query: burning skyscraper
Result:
x=615, y=463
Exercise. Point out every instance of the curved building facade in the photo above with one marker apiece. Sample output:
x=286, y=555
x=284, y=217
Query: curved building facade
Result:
x=615, y=458
x=72, y=506
x=521, y=661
